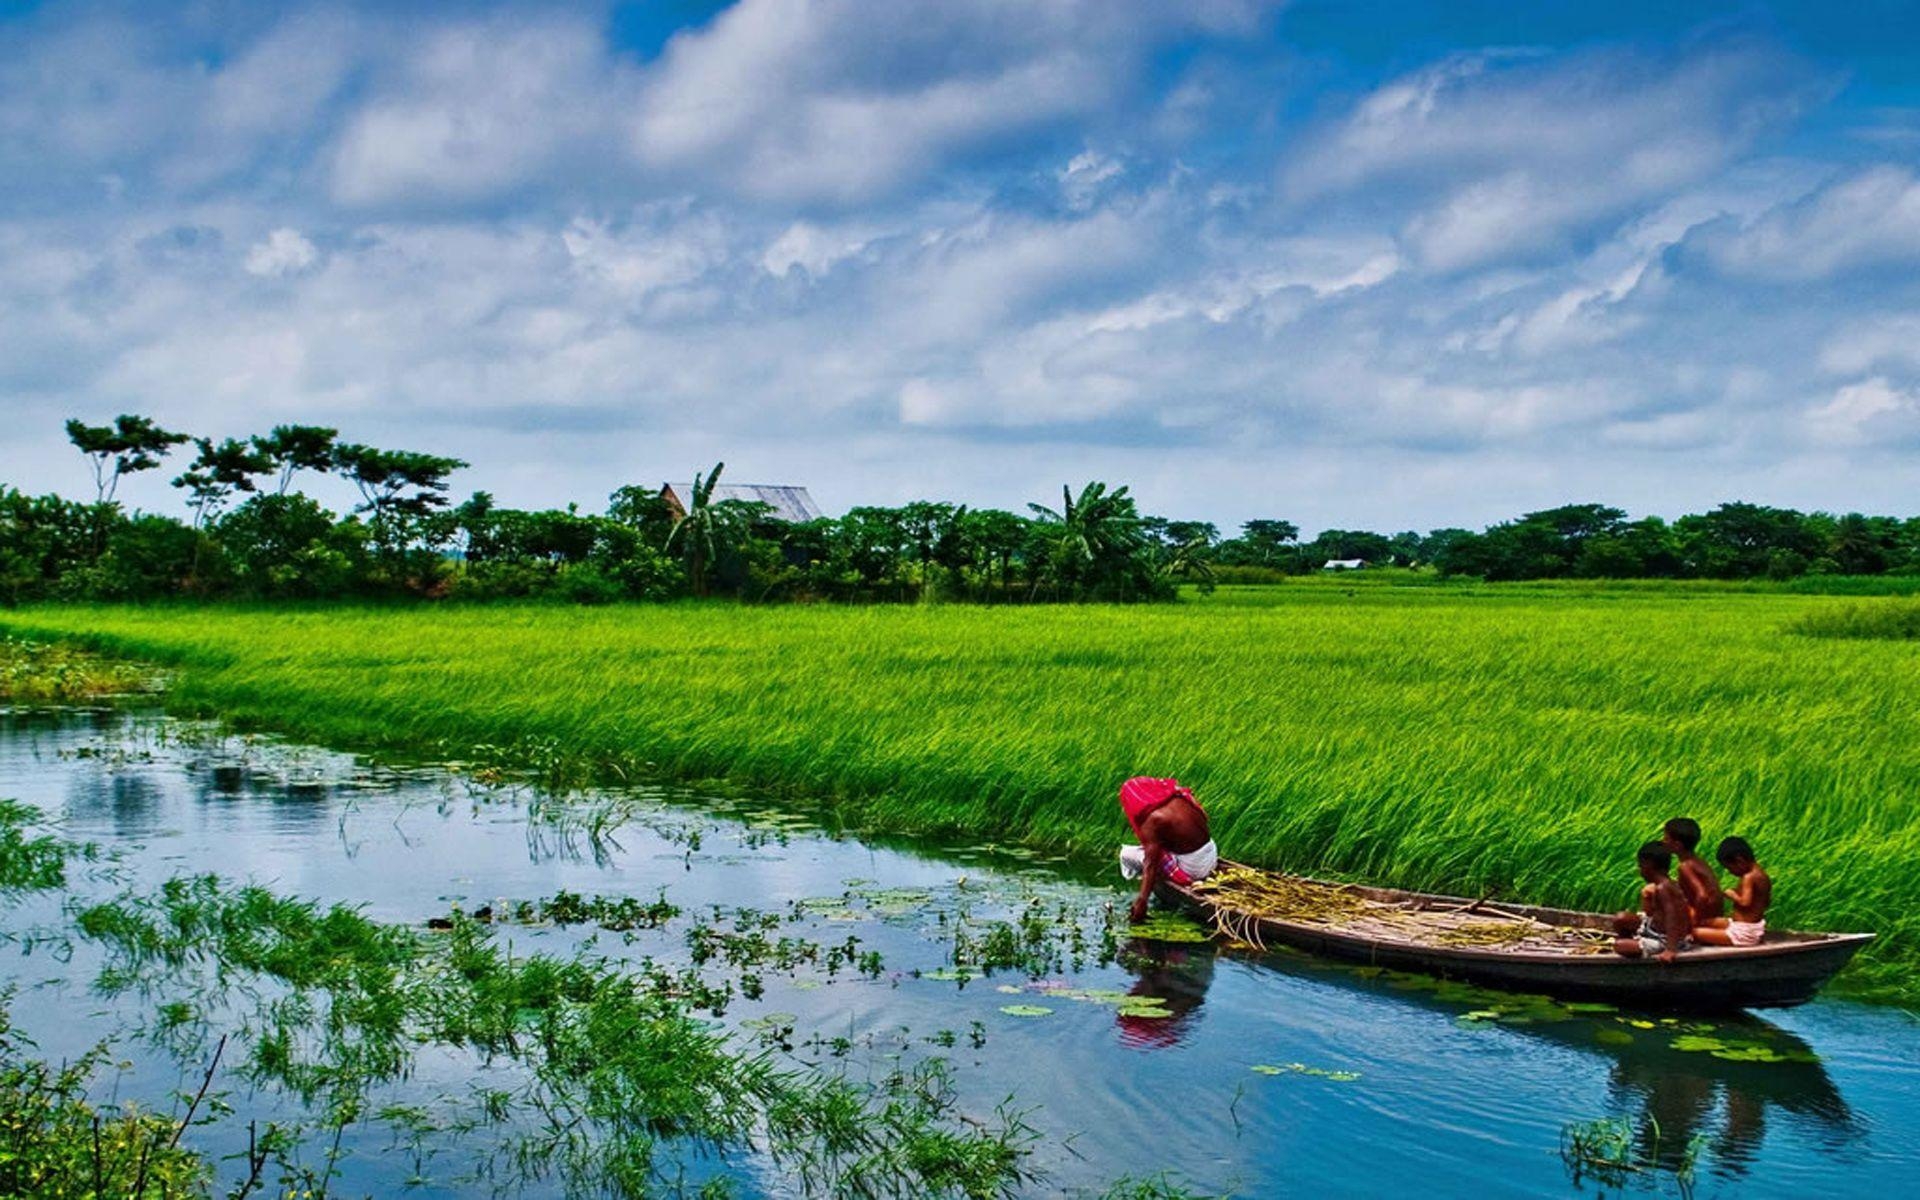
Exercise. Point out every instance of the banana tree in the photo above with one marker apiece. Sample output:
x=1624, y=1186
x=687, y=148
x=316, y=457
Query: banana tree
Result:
x=707, y=529
x=1092, y=540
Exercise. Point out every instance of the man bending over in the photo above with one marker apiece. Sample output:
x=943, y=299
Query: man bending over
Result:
x=1174, y=841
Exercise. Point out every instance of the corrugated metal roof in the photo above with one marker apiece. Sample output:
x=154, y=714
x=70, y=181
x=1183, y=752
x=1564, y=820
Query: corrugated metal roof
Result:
x=793, y=504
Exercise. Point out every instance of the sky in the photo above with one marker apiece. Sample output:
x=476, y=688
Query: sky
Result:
x=1358, y=264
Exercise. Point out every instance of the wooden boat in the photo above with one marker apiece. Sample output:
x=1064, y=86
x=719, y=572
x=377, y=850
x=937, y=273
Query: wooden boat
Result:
x=1522, y=948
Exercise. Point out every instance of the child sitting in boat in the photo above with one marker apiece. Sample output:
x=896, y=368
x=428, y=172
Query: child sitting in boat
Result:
x=1750, y=897
x=1697, y=879
x=1175, y=843
x=1664, y=923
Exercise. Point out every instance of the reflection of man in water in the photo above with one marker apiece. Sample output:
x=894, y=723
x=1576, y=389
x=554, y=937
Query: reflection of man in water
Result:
x=1176, y=976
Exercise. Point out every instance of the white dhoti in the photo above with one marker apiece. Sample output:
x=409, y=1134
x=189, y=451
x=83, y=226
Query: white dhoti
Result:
x=1194, y=865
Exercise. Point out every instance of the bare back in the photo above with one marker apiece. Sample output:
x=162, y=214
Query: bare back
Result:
x=1178, y=826
x=1702, y=887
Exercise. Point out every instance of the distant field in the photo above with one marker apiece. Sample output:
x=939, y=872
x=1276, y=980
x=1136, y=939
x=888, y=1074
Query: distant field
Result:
x=1454, y=738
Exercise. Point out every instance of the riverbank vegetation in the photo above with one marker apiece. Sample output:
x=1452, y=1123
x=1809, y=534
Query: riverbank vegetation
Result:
x=619, y=1079
x=249, y=533
x=1520, y=743
x=42, y=673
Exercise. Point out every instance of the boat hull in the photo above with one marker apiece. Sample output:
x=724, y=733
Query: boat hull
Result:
x=1776, y=974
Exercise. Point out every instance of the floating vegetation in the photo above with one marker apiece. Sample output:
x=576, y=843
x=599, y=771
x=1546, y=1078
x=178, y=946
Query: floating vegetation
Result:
x=1026, y=1010
x=1740, y=1049
x=1169, y=927
x=1294, y=1068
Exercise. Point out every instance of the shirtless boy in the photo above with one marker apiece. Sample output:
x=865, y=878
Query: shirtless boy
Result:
x=1665, y=922
x=1750, y=897
x=1697, y=879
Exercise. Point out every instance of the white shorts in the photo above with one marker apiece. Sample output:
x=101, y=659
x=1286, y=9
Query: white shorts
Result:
x=1745, y=933
x=1197, y=864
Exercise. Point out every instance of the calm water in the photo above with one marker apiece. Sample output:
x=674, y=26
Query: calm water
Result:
x=1373, y=1084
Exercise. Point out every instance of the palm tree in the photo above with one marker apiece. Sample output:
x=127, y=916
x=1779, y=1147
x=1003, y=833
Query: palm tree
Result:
x=706, y=530
x=1092, y=538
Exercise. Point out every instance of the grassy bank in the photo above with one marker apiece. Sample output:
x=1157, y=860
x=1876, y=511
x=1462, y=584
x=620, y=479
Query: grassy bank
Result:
x=1458, y=738
x=37, y=673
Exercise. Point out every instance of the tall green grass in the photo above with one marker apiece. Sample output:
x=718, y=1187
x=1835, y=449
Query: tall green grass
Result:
x=1460, y=738
x=1897, y=620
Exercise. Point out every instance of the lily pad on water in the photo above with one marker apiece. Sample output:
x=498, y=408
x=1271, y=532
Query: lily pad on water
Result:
x=1303, y=1069
x=1613, y=1037
x=1736, y=1049
x=1026, y=1010
x=1170, y=927
x=948, y=974
x=1145, y=1012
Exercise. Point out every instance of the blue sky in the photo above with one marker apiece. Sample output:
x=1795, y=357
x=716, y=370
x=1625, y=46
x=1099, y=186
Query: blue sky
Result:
x=1361, y=264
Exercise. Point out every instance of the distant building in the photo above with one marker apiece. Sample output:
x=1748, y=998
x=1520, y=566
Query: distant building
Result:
x=791, y=504
x=1343, y=564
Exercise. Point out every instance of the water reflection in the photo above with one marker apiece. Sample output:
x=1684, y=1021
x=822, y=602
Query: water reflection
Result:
x=1675, y=1096
x=1176, y=977
x=126, y=802
x=1722, y=1084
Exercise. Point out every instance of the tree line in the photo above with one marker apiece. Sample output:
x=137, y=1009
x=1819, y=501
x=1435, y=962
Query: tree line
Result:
x=251, y=533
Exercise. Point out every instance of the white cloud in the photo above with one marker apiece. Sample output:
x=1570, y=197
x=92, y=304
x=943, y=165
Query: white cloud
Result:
x=1082, y=178
x=1519, y=150
x=843, y=241
x=840, y=101
x=478, y=109
x=813, y=249
x=284, y=252
x=1869, y=410
x=1889, y=340
x=1869, y=219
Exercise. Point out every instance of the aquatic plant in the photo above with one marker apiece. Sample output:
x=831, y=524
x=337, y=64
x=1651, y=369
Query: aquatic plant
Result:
x=54, y=1141
x=1611, y=1151
x=1516, y=741
x=622, y=1076
x=30, y=862
x=41, y=673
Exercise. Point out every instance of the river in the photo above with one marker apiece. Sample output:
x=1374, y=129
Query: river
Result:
x=1255, y=1075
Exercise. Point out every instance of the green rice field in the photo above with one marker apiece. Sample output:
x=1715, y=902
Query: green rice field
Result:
x=1462, y=738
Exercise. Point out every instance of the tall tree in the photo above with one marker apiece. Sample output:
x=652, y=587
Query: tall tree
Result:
x=297, y=448
x=129, y=445
x=218, y=471
x=1269, y=539
x=396, y=487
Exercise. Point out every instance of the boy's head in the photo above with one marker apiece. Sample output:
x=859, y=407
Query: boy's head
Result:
x=1681, y=835
x=1655, y=861
x=1735, y=855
